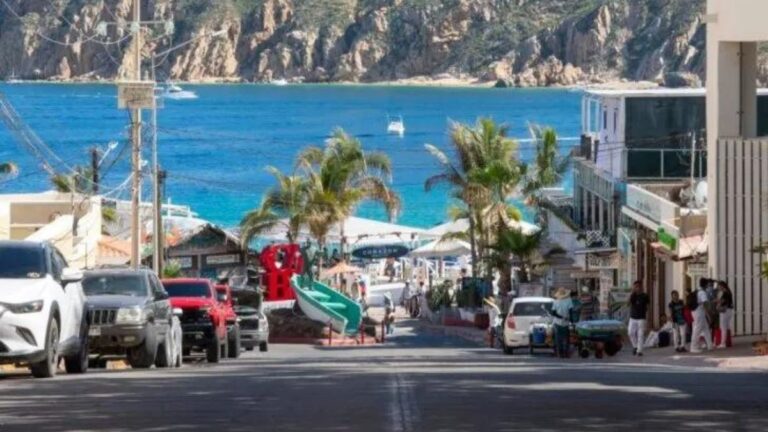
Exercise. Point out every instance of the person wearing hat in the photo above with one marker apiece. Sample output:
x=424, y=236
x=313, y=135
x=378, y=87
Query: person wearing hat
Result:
x=561, y=311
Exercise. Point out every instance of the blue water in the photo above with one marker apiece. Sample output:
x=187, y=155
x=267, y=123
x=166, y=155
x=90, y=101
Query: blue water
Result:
x=215, y=147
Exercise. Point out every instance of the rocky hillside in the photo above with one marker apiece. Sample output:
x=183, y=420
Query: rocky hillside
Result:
x=517, y=42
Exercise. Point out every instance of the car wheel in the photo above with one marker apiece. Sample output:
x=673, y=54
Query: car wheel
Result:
x=508, y=350
x=213, y=353
x=78, y=363
x=264, y=347
x=233, y=350
x=143, y=356
x=165, y=351
x=46, y=368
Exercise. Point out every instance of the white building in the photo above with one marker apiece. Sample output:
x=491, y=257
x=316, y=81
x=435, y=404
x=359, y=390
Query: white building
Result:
x=738, y=163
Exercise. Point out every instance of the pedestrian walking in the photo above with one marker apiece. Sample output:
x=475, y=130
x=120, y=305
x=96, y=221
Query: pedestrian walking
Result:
x=700, y=322
x=679, y=325
x=389, y=313
x=725, y=309
x=638, y=316
x=690, y=304
x=561, y=311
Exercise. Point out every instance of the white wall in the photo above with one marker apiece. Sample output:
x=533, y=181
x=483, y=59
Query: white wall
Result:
x=738, y=20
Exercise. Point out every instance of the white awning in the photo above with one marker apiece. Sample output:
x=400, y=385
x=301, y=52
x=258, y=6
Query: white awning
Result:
x=356, y=231
x=448, y=248
x=462, y=225
x=642, y=220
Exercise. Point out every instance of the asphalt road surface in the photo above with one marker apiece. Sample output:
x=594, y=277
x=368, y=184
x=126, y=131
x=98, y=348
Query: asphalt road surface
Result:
x=416, y=382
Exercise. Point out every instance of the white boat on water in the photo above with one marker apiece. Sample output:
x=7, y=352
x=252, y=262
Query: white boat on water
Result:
x=279, y=82
x=13, y=79
x=174, y=91
x=396, y=126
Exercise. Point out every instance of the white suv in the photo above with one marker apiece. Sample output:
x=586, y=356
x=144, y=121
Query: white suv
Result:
x=42, y=308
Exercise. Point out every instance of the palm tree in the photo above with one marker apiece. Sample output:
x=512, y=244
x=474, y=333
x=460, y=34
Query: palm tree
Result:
x=486, y=175
x=77, y=182
x=287, y=199
x=514, y=243
x=340, y=176
x=549, y=166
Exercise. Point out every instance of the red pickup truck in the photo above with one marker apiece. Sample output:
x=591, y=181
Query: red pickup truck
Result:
x=203, y=318
x=224, y=297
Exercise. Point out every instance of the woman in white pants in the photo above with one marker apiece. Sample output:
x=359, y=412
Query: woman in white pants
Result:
x=725, y=307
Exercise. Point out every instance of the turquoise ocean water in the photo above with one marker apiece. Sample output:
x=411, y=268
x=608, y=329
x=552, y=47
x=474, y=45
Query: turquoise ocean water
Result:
x=215, y=147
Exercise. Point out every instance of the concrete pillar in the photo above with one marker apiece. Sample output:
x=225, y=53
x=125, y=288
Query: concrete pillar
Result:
x=731, y=112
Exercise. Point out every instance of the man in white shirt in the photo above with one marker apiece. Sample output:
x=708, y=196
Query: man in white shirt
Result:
x=700, y=322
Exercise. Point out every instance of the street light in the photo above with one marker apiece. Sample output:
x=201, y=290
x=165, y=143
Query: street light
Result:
x=111, y=146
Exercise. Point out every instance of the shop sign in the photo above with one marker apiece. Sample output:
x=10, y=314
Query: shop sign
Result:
x=651, y=205
x=184, y=262
x=380, y=252
x=668, y=240
x=222, y=259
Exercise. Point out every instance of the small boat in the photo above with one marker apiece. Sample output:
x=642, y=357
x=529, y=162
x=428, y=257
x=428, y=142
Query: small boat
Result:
x=174, y=91
x=396, y=126
x=173, y=88
x=280, y=82
x=13, y=79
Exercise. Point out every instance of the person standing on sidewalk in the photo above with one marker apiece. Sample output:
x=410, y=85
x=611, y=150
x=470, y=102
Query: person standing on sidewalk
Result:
x=725, y=308
x=700, y=321
x=638, y=315
x=679, y=326
x=561, y=311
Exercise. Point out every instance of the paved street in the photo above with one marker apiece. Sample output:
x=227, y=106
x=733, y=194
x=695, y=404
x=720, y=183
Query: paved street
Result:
x=417, y=382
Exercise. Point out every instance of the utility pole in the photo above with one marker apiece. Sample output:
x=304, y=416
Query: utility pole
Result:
x=136, y=142
x=159, y=235
x=95, y=170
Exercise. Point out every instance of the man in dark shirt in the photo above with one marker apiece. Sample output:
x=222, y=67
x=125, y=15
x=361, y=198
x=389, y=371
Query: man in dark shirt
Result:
x=638, y=313
x=679, y=325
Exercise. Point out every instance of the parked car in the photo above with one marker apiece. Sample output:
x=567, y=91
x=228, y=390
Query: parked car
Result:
x=524, y=312
x=254, y=328
x=203, y=320
x=42, y=310
x=224, y=297
x=130, y=314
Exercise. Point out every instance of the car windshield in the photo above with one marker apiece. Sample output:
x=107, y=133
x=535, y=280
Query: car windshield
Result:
x=129, y=285
x=188, y=289
x=531, y=308
x=22, y=263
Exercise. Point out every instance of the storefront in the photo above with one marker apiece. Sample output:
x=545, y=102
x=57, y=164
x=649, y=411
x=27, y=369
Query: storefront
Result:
x=210, y=252
x=655, y=248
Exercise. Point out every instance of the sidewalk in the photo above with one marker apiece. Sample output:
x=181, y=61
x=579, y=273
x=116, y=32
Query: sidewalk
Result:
x=740, y=356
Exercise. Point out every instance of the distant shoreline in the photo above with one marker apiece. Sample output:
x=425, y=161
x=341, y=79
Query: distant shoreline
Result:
x=419, y=81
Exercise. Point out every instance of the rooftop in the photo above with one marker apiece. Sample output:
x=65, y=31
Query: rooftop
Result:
x=655, y=92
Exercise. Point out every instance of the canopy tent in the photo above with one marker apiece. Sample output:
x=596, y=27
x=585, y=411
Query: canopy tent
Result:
x=462, y=225
x=356, y=232
x=440, y=249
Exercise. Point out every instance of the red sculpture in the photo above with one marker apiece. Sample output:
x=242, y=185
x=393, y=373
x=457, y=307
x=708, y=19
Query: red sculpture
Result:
x=280, y=262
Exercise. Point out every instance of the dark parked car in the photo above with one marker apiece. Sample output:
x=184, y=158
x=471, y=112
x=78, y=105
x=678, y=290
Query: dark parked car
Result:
x=130, y=314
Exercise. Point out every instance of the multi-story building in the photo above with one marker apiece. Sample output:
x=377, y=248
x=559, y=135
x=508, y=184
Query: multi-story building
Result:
x=639, y=149
x=738, y=163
